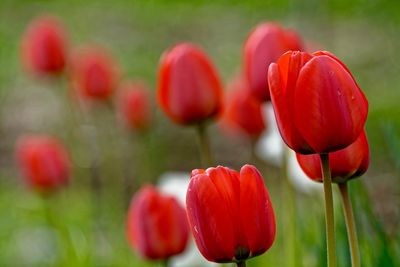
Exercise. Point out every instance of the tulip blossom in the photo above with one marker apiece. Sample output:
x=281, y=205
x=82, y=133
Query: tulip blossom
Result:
x=242, y=111
x=134, y=105
x=264, y=45
x=43, y=161
x=230, y=214
x=94, y=74
x=156, y=225
x=189, y=89
x=345, y=164
x=318, y=105
x=43, y=48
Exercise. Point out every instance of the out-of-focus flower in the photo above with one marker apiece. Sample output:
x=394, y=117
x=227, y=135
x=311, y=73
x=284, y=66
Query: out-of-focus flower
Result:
x=176, y=184
x=270, y=148
x=189, y=89
x=345, y=164
x=157, y=227
x=318, y=105
x=43, y=161
x=242, y=111
x=134, y=105
x=44, y=46
x=94, y=73
x=230, y=213
x=264, y=45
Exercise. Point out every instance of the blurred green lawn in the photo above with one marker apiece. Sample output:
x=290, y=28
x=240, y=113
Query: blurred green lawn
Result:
x=364, y=34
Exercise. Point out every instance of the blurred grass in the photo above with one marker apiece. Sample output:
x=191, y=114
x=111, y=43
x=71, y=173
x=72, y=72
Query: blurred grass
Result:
x=364, y=33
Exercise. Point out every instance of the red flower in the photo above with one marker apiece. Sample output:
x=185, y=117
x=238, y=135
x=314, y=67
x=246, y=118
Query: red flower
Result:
x=94, y=73
x=43, y=161
x=189, y=90
x=318, y=105
x=242, y=111
x=265, y=44
x=44, y=45
x=134, y=105
x=345, y=164
x=156, y=225
x=230, y=213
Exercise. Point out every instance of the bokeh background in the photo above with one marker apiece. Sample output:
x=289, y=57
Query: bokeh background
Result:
x=363, y=33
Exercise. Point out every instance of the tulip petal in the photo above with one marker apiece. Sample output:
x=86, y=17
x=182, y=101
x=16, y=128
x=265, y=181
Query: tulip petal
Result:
x=282, y=78
x=214, y=236
x=256, y=211
x=329, y=109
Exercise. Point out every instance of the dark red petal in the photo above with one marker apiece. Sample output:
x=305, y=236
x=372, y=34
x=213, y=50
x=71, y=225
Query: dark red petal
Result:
x=329, y=109
x=211, y=228
x=256, y=211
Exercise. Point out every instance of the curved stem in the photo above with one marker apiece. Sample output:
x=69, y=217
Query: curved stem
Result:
x=204, y=145
x=329, y=214
x=241, y=264
x=350, y=225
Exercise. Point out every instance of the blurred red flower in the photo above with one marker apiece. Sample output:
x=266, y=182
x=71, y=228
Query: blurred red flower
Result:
x=242, y=111
x=157, y=225
x=264, y=45
x=345, y=164
x=94, y=73
x=44, y=162
x=230, y=213
x=318, y=105
x=189, y=89
x=134, y=105
x=44, y=46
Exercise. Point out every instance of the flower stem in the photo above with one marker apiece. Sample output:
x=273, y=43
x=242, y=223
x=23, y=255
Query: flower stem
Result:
x=329, y=213
x=350, y=224
x=204, y=145
x=289, y=199
x=241, y=264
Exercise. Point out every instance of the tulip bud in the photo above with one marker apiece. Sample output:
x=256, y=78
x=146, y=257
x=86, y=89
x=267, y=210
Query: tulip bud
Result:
x=345, y=164
x=43, y=161
x=189, y=89
x=230, y=213
x=242, y=111
x=318, y=105
x=264, y=45
x=156, y=225
x=134, y=105
x=94, y=74
x=43, y=48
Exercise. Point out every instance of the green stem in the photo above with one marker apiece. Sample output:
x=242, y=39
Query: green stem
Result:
x=241, y=264
x=329, y=213
x=350, y=225
x=290, y=216
x=204, y=145
x=165, y=263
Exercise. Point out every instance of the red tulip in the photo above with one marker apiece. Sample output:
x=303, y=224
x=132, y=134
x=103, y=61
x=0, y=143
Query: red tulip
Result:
x=230, y=213
x=134, y=105
x=318, y=105
x=242, y=111
x=345, y=164
x=43, y=161
x=189, y=89
x=265, y=44
x=94, y=73
x=156, y=225
x=44, y=46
